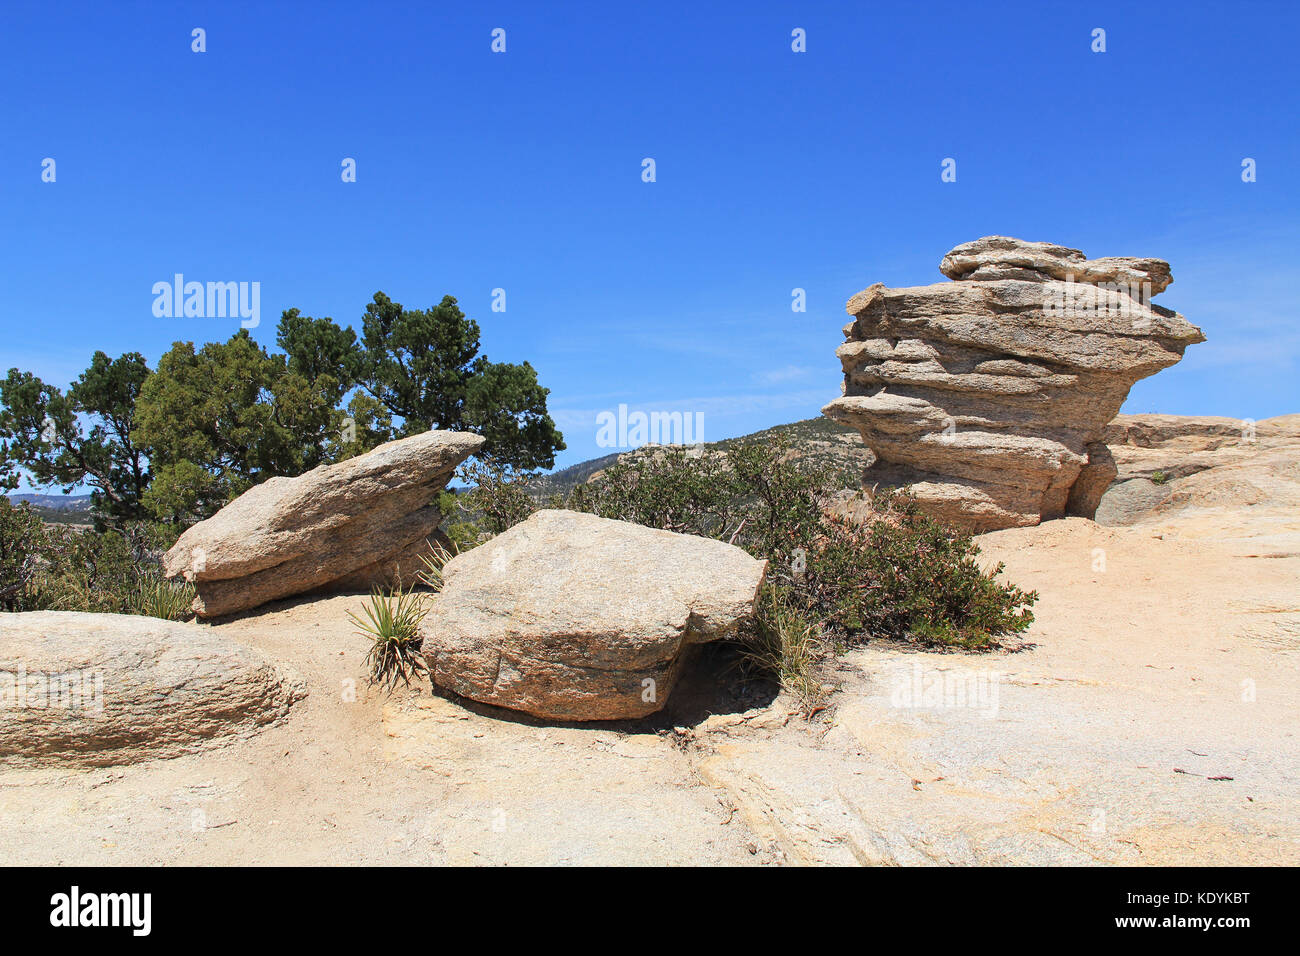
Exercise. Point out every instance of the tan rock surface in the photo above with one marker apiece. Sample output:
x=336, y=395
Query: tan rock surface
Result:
x=986, y=393
x=100, y=689
x=1137, y=672
x=1150, y=722
x=351, y=525
x=570, y=616
x=1002, y=257
x=1168, y=463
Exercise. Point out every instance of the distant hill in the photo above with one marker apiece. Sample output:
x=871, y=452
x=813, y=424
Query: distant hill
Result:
x=56, y=509
x=564, y=480
x=54, y=502
x=822, y=440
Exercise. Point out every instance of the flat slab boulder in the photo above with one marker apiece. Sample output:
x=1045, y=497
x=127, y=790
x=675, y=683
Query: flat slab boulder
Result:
x=102, y=689
x=570, y=616
x=349, y=526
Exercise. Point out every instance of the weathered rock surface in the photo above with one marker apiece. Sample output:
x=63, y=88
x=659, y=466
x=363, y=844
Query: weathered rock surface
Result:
x=989, y=395
x=100, y=689
x=569, y=616
x=1001, y=257
x=349, y=526
x=1167, y=463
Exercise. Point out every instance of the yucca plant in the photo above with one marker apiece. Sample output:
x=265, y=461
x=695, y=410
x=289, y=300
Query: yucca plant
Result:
x=430, y=574
x=158, y=597
x=392, y=622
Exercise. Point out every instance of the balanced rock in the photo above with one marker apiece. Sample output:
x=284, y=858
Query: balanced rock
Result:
x=989, y=395
x=100, y=689
x=570, y=616
x=350, y=526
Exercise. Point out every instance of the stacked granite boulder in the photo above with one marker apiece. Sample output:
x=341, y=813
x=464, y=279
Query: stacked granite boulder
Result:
x=989, y=394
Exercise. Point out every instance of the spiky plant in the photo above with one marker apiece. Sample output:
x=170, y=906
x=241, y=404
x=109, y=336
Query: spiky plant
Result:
x=392, y=622
x=433, y=561
x=158, y=597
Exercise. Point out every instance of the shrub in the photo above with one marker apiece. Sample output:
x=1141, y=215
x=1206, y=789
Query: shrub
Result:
x=392, y=622
x=1159, y=477
x=86, y=570
x=114, y=571
x=896, y=574
x=22, y=537
x=664, y=487
x=498, y=498
x=781, y=500
x=902, y=574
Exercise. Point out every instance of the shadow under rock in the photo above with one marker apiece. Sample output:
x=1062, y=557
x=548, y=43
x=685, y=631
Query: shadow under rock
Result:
x=711, y=683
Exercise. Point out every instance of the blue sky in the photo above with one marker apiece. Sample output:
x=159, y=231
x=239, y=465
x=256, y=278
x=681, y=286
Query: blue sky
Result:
x=522, y=171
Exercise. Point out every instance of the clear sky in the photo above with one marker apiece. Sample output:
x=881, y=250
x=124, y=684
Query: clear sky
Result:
x=522, y=170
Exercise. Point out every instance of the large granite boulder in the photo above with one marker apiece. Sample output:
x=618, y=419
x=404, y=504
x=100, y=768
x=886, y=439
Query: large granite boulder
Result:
x=100, y=689
x=989, y=394
x=569, y=616
x=350, y=526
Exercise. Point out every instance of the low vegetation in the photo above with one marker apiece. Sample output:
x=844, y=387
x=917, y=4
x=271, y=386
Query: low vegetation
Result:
x=67, y=568
x=844, y=568
x=392, y=622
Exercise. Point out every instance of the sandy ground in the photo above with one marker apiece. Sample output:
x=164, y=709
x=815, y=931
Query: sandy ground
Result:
x=1153, y=720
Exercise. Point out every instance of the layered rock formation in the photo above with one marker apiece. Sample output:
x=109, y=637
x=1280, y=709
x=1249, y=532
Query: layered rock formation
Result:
x=100, y=689
x=989, y=394
x=570, y=616
x=350, y=526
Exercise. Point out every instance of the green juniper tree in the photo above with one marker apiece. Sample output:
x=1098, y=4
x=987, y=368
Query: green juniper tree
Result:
x=82, y=437
x=219, y=419
x=424, y=366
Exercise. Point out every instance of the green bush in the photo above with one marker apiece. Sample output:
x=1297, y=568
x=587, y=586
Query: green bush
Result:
x=901, y=574
x=896, y=574
x=114, y=571
x=498, y=499
x=665, y=487
x=22, y=538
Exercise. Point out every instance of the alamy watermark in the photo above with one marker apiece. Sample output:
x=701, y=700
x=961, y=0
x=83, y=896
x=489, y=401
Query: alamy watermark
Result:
x=921, y=688
x=1104, y=298
x=624, y=429
x=52, y=690
x=211, y=300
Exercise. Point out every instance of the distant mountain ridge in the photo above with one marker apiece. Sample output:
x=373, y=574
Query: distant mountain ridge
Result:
x=53, y=502
x=56, y=509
